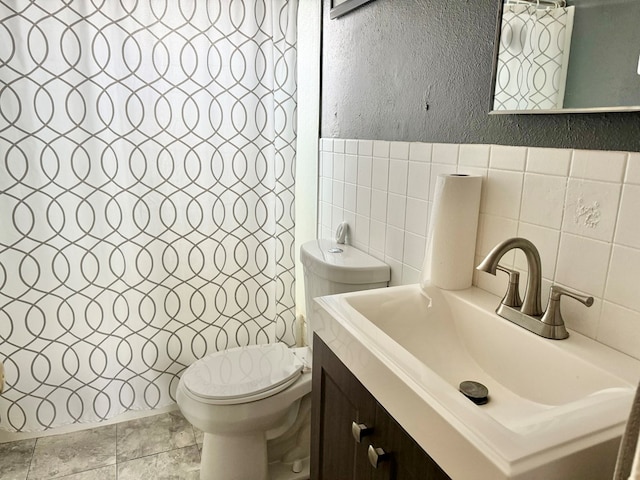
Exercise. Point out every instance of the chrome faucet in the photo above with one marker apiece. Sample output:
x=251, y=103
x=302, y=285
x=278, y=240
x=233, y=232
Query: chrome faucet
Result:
x=527, y=313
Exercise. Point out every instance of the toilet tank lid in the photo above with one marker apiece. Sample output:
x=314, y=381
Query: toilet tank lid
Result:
x=349, y=266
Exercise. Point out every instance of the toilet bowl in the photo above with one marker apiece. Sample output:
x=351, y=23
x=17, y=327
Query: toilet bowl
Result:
x=253, y=402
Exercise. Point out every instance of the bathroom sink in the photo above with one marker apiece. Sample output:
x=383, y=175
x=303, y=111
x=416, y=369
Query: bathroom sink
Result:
x=556, y=409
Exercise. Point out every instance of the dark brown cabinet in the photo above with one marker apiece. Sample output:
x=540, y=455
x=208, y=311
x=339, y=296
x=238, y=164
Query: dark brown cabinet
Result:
x=343, y=411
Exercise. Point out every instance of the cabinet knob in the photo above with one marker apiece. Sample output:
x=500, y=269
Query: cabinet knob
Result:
x=360, y=430
x=376, y=455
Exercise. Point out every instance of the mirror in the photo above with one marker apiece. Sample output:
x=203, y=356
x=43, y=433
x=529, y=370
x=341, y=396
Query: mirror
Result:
x=553, y=56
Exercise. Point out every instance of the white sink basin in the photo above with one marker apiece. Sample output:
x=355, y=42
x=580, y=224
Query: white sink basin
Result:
x=556, y=408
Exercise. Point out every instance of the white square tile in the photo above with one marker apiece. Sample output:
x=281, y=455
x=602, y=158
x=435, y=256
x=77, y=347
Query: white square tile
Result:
x=326, y=190
x=396, y=208
x=438, y=169
x=337, y=217
x=325, y=214
x=338, y=145
x=363, y=201
x=398, y=176
x=494, y=230
x=591, y=208
x=350, y=197
x=365, y=148
x=381, y=148
x=624, y=273
x=351, y=147
x=508, y=158
x=598, y=165
x=418, y=180
x=351, y=169
x=399, y=150
x=364, y=171
x=582, y=264
x=578, y=317
x=338, y=194
x=396, y=270
x=628, y=225
x=361, y=234
x=376, y=254
x=394, y=246
x=338, y=166
x=417, y=216
x=477, y=171
x=474, y=155
x=414, y=249
x=326, y=167
x=380, y=173
x=445, y=153
x=410, y=275
x=633, y=169
x=420, y=152
x=503, y=191
x=326, y=144
x=549, y=161
x=543, y=200
x=547, y=241
x=377, y=235
x=350, y=219
x=620, y=329
x=379, y=205
x=325, y=232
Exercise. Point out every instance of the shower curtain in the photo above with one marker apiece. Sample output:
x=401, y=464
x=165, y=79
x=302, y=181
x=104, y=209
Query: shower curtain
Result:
x=533, y=57
x=146, y=196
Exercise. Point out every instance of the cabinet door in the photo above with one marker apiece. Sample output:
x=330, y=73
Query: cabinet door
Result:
x=339, y=400
x=405, y=459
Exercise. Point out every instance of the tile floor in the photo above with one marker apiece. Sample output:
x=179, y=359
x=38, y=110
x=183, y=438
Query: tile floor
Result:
x=163, y=447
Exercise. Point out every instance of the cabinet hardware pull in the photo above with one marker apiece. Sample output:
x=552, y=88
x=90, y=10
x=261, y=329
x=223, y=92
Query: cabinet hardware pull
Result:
x=376, y=455
x=360, y=430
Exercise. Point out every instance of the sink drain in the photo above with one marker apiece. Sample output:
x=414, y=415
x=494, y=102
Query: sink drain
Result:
x=475, y=391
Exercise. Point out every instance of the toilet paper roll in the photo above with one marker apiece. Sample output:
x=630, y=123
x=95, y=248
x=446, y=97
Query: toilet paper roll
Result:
x=451, y=239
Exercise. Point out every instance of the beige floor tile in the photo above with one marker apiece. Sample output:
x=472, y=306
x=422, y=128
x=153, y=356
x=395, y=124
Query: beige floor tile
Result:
x=103, y=473
x=179, y=464
x=75, y=452
x=151, y=435
x=15, y=458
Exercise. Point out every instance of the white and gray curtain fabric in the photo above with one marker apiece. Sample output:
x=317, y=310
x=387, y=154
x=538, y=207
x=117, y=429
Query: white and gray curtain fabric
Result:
x=533, y=57
x=147, y=155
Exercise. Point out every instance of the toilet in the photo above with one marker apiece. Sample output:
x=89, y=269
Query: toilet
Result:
x=253, y=402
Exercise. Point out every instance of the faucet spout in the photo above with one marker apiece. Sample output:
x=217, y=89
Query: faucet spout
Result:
x=531, y=304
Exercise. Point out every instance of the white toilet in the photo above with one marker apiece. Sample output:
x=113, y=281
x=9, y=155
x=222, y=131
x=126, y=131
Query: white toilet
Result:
x=253, y=402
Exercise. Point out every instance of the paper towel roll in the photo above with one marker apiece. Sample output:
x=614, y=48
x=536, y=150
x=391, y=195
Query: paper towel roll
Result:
x=451, y=240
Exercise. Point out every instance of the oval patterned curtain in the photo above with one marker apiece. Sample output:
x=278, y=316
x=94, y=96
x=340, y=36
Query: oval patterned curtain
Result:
x=146, y=196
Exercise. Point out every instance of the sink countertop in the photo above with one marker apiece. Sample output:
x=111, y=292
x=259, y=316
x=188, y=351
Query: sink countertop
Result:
x=470, y=441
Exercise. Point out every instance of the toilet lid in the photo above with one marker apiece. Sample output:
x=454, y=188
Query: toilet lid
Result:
x=243, y=374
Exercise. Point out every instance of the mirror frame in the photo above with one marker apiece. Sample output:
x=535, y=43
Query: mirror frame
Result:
x=494, y=72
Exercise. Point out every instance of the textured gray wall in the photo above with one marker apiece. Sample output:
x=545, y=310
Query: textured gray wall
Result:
x=420, y=70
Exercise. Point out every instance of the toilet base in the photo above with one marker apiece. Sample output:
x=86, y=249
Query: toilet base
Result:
x=234, y=457
x=244, y=457
x=283, y=471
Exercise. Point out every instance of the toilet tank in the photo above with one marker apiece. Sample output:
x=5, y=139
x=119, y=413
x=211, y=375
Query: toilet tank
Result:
x=330, y=268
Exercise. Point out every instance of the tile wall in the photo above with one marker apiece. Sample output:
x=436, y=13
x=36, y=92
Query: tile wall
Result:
x=581, y=208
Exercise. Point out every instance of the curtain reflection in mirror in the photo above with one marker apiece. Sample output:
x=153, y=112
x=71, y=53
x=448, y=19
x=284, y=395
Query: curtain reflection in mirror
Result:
x=533, y=56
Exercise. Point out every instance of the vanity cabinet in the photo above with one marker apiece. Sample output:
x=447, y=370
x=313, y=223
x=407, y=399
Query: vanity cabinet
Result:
x=344, y=410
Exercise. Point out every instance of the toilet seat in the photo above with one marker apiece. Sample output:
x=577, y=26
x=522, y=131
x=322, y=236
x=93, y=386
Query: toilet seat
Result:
x=242, y=374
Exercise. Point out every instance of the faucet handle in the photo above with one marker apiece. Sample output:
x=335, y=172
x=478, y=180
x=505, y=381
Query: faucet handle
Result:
x=512, y=297
x=553, y=317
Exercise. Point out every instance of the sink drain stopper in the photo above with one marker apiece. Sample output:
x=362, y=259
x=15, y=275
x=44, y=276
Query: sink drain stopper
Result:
x=475, y=391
